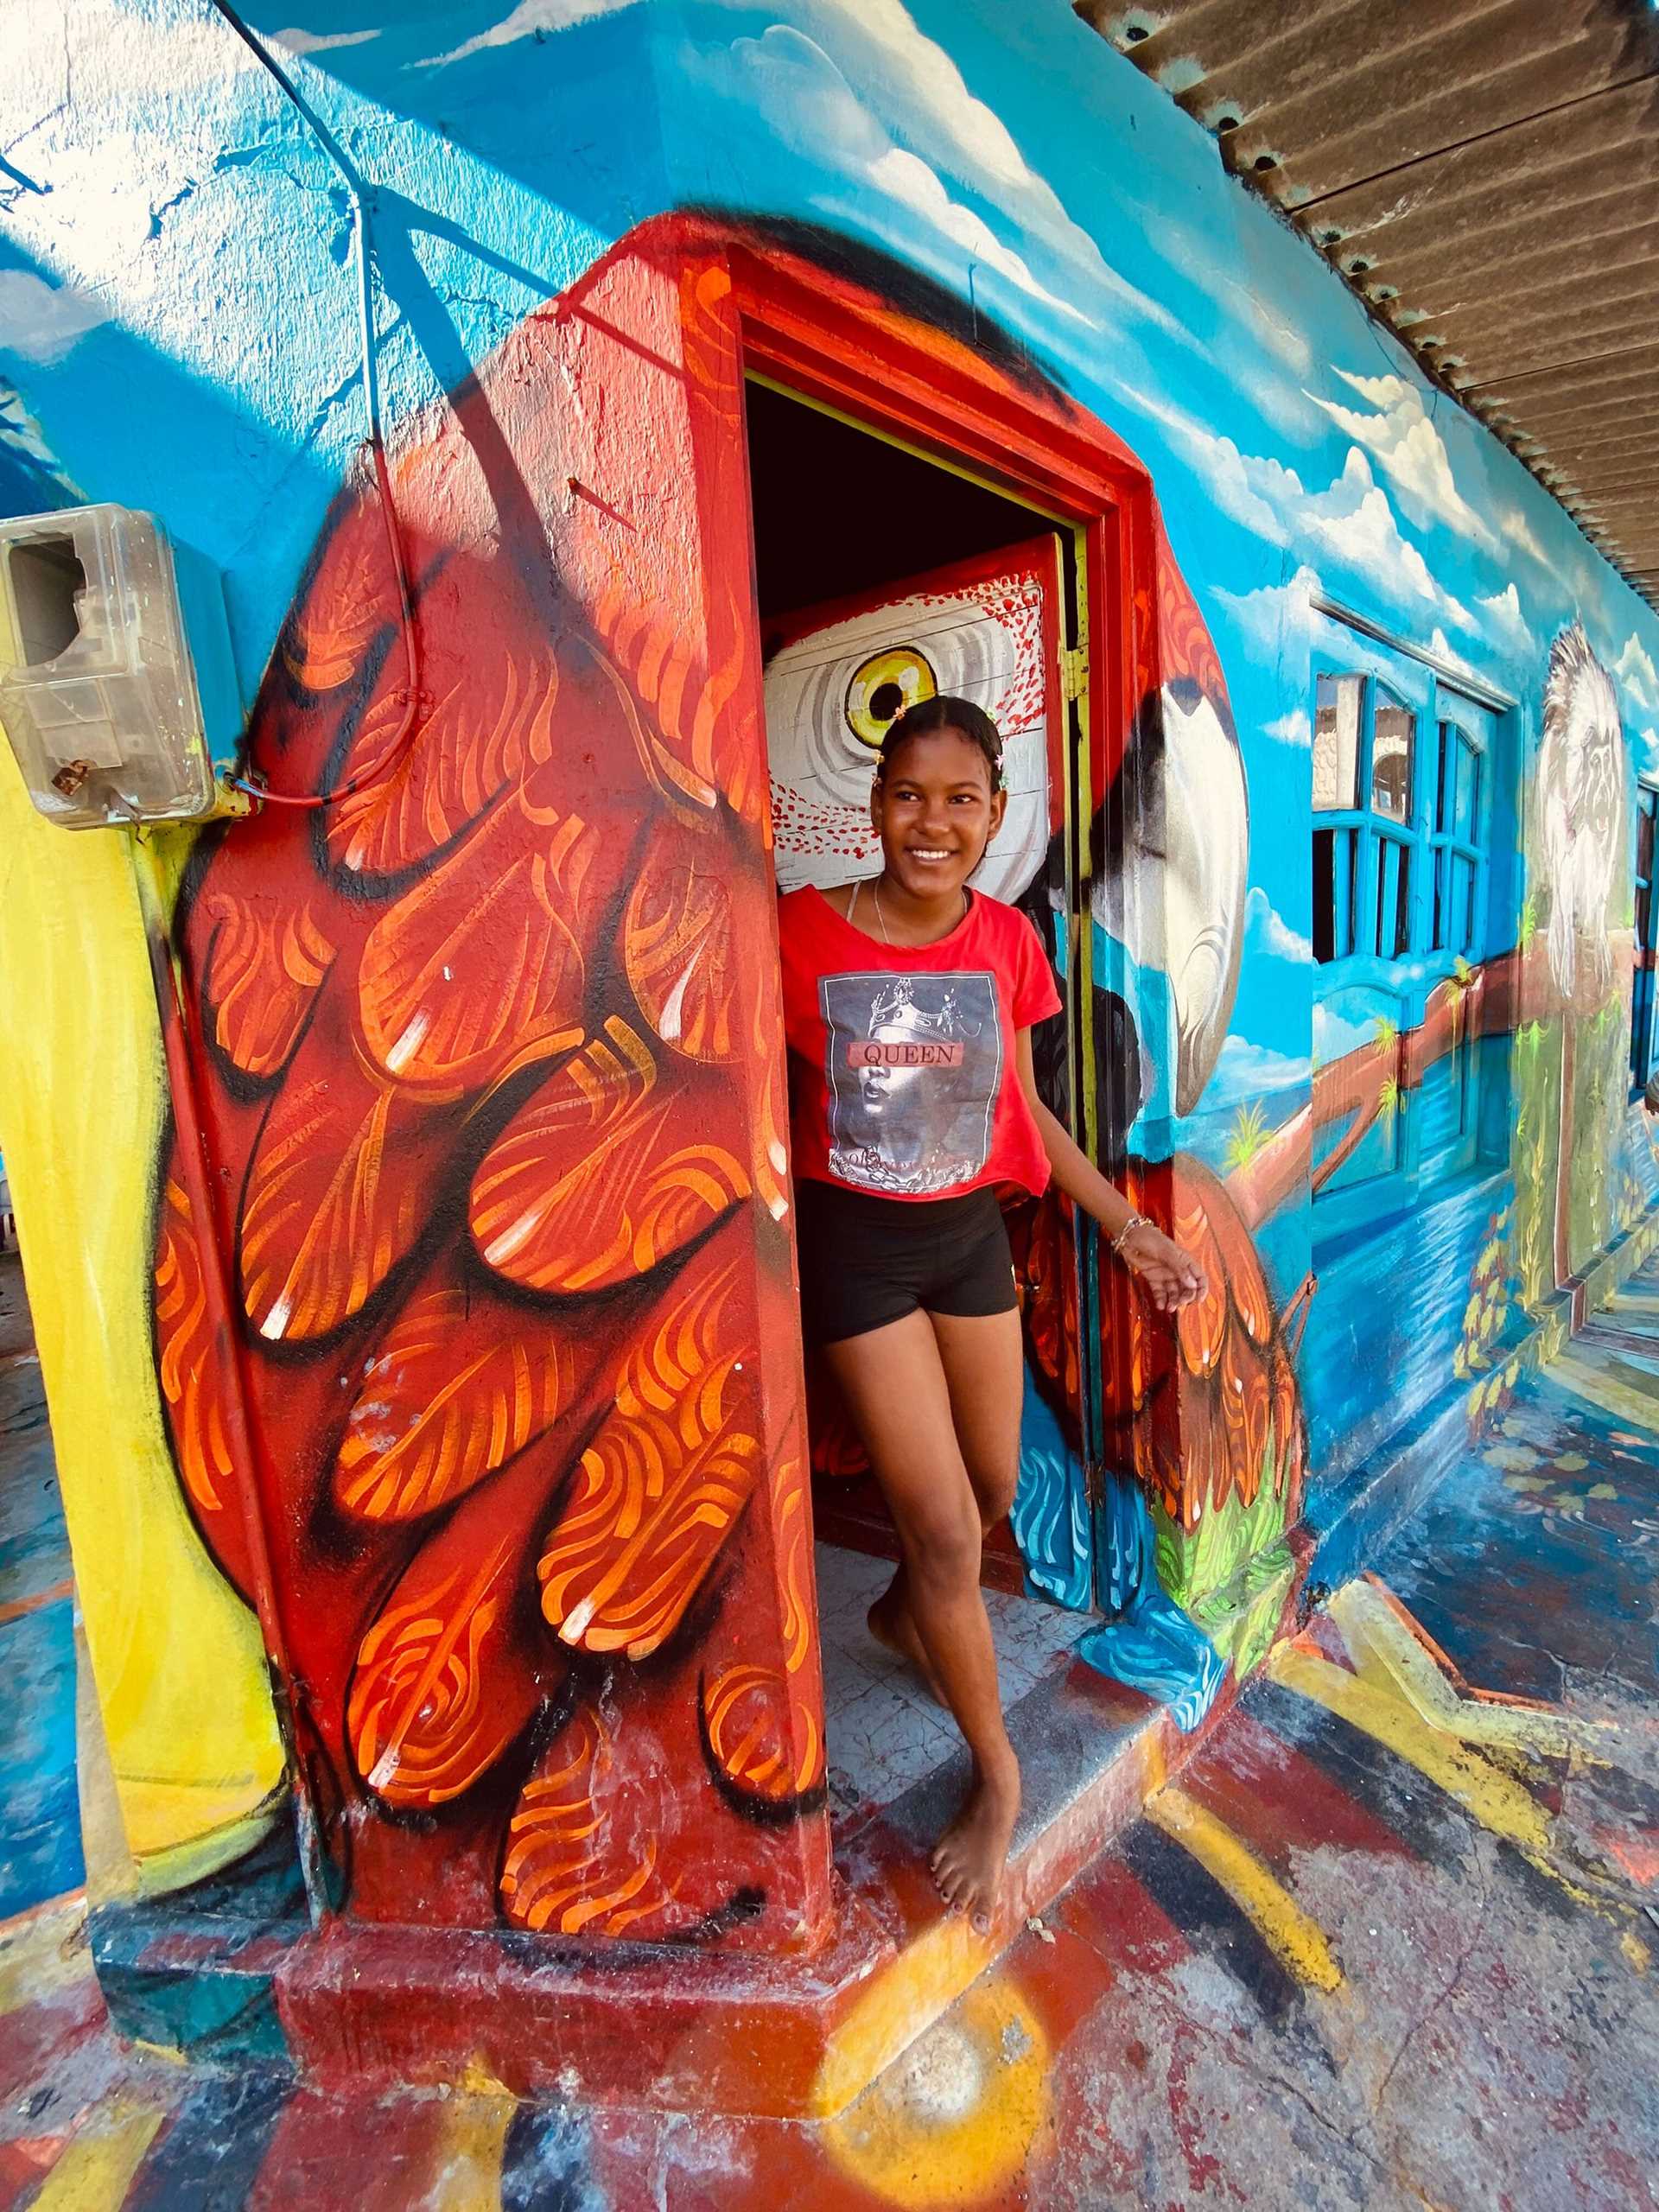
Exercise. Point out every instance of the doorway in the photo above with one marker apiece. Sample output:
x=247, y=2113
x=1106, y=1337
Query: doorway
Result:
x=884, y=577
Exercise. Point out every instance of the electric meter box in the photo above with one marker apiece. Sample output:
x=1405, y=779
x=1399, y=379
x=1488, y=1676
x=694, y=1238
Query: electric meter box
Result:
x=117, y=686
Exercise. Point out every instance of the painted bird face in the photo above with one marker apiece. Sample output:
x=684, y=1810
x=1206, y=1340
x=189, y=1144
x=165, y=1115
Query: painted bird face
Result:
x=838, y=683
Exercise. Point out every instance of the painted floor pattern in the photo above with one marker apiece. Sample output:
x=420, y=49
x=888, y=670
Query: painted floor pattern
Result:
x=1391, y=1938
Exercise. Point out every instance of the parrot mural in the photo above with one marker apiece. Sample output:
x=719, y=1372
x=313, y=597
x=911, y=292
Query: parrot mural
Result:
x=487, y=1052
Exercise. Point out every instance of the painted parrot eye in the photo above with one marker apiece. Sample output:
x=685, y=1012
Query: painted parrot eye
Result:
x=882, y=687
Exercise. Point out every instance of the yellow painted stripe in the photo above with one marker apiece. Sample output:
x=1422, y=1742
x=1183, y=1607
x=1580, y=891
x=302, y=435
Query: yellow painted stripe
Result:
x=1390, y=1658
x=96, y=2171
x=1296, y=1940
x=1484, y=1791
x=929, y=1973
x=902, y=1998
x=1586, y=1380
x=467, y=2176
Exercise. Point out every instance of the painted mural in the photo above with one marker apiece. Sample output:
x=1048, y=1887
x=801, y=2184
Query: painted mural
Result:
x=487, y=1056
x=485, y=1049
x=1572, y=1043
x=484, y=1249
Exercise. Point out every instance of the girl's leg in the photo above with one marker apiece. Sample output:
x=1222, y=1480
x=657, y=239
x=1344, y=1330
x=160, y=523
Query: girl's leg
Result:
x=894, y=1384
x=983, y=1359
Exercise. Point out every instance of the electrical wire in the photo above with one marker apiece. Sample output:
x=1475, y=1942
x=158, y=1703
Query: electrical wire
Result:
x=363, y=249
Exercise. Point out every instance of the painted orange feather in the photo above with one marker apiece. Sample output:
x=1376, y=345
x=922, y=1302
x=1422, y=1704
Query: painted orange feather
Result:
x=445, y=1680
x=190, y=1366
x=660, y=1487
x=453, y=1390
x=608, y=1172
x=492, y=723
x=573, y=1867
x=339, y=1186
x=262, y=968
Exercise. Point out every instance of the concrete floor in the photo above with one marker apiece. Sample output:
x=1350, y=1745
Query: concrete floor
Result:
x=882, y=1729
x=1391, y=1938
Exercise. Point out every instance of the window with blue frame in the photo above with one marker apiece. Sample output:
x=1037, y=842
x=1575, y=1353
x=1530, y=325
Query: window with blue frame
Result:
x=1402, y=778
x=1643, y=1011
x=1457, y=855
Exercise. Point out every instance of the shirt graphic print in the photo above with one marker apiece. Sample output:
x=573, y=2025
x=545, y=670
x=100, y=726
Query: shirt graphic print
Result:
x=913, y=1064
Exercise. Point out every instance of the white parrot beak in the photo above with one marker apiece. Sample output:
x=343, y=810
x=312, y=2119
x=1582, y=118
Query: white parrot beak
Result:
x=1173, y=885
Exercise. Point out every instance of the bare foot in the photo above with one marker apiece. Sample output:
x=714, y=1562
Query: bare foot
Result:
x=891, y=1624
x=969, y=1856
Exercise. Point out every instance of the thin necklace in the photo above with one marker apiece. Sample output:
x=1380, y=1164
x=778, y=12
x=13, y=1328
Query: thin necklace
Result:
x=881, y=919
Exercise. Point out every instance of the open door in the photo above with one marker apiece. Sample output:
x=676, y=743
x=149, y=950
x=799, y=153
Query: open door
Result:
x=992, y=629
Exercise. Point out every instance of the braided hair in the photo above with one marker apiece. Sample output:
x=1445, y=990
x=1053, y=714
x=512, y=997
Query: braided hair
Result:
x=926, y=716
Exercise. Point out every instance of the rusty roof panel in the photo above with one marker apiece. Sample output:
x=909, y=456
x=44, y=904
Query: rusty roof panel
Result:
x=1487, y=177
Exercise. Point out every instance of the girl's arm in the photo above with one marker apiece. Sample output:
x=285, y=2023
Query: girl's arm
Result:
x=1171, y=1276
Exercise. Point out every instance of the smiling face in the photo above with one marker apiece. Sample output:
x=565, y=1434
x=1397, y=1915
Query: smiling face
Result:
x=935, y=812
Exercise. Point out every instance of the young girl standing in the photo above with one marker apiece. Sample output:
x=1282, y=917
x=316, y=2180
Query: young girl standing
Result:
x=908, y=1004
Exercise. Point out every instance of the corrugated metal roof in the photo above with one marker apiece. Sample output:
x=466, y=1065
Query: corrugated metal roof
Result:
x=1487, y=177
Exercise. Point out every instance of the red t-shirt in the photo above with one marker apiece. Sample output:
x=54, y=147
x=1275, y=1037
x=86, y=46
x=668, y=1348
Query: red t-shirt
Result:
x=903, y=1079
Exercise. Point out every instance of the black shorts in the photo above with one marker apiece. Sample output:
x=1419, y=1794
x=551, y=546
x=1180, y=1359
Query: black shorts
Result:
x=866, y=1261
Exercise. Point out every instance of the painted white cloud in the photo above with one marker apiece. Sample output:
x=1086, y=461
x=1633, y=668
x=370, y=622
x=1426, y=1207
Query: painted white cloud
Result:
x=529, y=19
x=911, y=87
x=1501, y=618
x=1334, y=1037
x=1273, y=620
x=922, y=97
x=303, y=41
x=798, y=90
x=1635, y=670
x=1269, y=359
x=1647, y=754
x=1354, y=521
x=1268, y=929
x=1247, y=1070
x=1292, y=728
x=1515, y=532
x=20, y=434
x=1410, y=450
x=1255, y=489
x=908, y=178
x=42, y=321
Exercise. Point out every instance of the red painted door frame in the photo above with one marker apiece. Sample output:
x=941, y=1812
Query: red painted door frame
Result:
x=835, y=343
x=751, y=307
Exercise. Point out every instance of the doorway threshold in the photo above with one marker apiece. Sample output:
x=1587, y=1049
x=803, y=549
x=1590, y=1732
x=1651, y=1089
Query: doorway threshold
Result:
x=722, y=2031
x=687, y=2028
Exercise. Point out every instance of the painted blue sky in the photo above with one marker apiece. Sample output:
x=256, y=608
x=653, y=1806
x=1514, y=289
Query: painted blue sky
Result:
x=172, y=235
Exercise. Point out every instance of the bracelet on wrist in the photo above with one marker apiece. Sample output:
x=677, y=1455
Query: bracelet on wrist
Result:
x=1136, y=1221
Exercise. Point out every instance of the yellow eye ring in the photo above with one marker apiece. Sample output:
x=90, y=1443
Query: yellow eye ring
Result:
x=882, y=687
